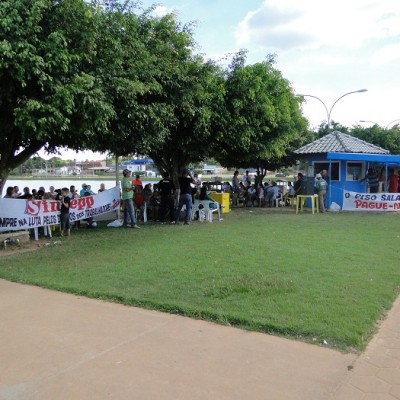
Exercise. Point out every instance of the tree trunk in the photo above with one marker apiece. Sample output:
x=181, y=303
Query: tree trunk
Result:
x=9, y=161
x=173, y=166
x=4, y=173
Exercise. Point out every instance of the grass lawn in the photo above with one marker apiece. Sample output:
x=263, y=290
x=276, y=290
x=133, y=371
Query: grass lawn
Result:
x=319, y=277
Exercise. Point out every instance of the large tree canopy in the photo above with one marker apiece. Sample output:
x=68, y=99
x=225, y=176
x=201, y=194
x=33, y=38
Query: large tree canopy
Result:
x=163, y=95
x=194, y=98
x=99, y=76
x=261, y=121
x=48, y=97
x=133, y=62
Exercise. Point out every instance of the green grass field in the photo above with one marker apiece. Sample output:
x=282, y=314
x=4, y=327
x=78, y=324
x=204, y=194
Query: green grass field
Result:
x=312, y=277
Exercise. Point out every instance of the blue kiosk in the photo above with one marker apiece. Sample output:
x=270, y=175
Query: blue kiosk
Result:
x=347, y=159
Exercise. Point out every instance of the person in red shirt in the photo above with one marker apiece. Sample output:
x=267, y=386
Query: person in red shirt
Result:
x=393, y=181
x=139, y=200
x=137, y=181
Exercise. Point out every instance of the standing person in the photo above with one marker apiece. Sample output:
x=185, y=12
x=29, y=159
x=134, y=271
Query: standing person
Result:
x=167, y=191
x=321, y=187
x=102, y=188
x=73, y=193
x=246, y=179
x=9, y=193
x=325, y=176
x=185, y=197
x=235, y=188
x=127, y=198
x=197, y=183
x=373, y=180
x=27, y=194
x=393, y=181
x=84, y=190
x=64, y=212
x=137, y=181
x=89, y=190
x=53, y=192
x=16, y=192
x=298, y=183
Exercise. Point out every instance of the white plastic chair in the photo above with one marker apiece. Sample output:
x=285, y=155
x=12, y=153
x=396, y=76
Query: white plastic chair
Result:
x=205, y=211
x=139, y=213
x=278, y=200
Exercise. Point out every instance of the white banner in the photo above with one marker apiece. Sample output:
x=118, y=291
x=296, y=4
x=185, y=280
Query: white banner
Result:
x=18, y=214
x=354, y=201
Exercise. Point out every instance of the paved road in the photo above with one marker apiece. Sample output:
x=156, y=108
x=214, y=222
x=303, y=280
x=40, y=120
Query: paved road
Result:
x=60, y=346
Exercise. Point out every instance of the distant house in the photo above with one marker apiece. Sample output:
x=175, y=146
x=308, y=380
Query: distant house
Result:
x=209, y=169
x=137, y=165
x=72, y=170
x=346, y=158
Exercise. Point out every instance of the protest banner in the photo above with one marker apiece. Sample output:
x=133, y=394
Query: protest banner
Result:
x=354, y=201
x=20, y=214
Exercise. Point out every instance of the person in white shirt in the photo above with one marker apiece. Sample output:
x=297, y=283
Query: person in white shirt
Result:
x=272, y=194
x=251, y=196
x=246, y=179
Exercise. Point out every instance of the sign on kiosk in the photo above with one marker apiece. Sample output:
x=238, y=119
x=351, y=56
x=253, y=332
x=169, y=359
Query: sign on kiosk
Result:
x=354, y=201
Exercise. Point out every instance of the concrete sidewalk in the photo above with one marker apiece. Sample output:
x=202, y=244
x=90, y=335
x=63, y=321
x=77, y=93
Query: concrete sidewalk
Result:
x=60, y=346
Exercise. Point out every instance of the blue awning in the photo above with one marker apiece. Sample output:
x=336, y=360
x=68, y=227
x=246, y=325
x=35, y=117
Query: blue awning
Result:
x=378, y=158
x=140, y=161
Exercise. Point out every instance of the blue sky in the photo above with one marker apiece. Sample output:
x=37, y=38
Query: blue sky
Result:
x=324, y=48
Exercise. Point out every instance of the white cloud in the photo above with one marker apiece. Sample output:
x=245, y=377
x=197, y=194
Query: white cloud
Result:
x=161, y=11
x=386, y=55
x=316, y=23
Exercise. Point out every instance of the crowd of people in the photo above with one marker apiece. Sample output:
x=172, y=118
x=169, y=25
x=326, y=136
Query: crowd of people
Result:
x=158, y=201
x=244, y=193
x=64, y=195
x=52, y=194
x=374, y=176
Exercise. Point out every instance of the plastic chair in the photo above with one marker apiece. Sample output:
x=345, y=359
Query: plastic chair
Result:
x=279, y=201
x=141, y=213
x=206, y=210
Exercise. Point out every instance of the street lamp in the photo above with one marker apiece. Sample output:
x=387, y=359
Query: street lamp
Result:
x=328, y=113
x=367, y=120
x=391, y=122
x=373, y=122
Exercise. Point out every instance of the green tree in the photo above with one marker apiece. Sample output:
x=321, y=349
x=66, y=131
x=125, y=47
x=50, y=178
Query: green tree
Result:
x=389, y=139
x=261, y=122
x=48, y=97
x=323, y=129
x=129, y=69
x=162, y=93
x=193, y=96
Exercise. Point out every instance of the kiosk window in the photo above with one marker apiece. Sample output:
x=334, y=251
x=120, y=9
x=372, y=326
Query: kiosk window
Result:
x=319, y=166
x=355, y=171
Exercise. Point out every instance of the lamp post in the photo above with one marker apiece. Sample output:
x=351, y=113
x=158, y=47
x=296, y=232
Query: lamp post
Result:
x=391, y=122
x=329, y=112
x=373, y=122
x=367, y=120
